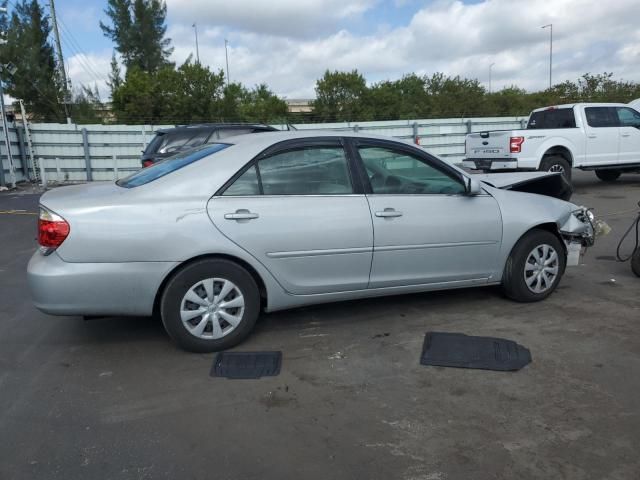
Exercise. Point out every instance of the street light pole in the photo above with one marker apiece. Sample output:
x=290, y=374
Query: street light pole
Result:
x=550, y=26
x=226, y=55
x=195, y=27
x=7, y=141
x=490, y=68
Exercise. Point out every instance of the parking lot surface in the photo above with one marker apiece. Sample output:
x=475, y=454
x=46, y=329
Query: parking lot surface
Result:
x=113, y=398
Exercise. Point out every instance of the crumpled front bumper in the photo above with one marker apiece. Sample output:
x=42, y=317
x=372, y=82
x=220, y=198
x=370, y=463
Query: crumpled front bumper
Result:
x=579, y=227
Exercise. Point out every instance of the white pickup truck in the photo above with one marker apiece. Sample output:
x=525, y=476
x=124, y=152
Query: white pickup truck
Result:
x=604, y=137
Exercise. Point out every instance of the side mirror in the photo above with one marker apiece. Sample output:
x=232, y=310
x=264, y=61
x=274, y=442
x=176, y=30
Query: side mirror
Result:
x=472, y=186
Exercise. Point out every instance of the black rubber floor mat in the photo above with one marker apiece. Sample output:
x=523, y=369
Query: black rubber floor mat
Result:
x=246, y=364
x=464, y=351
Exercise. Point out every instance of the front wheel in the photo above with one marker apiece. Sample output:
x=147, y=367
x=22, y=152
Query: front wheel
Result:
x=608, y=175
x=557, y=164
x=210, y=305
x=534, y=267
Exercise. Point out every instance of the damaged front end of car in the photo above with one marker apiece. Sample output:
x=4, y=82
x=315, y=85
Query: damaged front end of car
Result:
x=578, y=232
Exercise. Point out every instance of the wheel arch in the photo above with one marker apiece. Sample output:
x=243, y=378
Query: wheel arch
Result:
x=244, y=264
x=560, y=151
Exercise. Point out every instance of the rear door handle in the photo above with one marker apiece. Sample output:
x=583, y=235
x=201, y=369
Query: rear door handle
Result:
x=388, y=213
x=592, y=136
x=241, y=214
x=626, y=134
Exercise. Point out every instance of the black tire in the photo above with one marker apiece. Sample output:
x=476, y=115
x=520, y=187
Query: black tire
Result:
x=608, y=175
x=182, y=281
x=635, y=262
x=513, y=279
x=556, y=163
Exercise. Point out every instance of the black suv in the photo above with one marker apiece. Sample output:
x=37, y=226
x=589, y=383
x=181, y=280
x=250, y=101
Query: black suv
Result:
x=170, y=141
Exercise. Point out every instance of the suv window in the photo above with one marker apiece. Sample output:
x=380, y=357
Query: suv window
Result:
x=552, y=118
x=312, y=170
x=230, y=132
x=628, y=117
x=165, y=167
x=397, y=172
x=600, y=117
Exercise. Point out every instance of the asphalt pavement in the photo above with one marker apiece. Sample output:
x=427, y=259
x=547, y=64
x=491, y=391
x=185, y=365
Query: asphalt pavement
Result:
x=113, y=398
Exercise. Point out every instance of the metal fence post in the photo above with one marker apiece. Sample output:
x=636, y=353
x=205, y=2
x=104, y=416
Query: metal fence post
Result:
x=469, y=126
x=23, y=155
x=356, y=128
x=87, y=157
x=43, y=173
x=58, y=171
x=2, y=181
x=115, y=167
x=416, y=139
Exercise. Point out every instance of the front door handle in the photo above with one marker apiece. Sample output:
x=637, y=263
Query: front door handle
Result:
x=592, y=136
x=388, y=213
x=241, y=214
x=626, y=135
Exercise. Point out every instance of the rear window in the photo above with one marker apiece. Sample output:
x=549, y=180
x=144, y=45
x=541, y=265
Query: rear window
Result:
x=171, y=164
x=552, y=118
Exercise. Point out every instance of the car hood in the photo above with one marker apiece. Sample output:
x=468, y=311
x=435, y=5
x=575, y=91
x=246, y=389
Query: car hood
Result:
x=552, y=184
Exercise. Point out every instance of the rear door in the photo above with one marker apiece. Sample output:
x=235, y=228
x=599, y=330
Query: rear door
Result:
x=629, y=121
x=298, y=211
x=426, y=230
x=603, y=136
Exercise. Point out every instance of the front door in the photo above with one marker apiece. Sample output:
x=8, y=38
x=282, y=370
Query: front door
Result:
x=426, y=230
x=296, y=212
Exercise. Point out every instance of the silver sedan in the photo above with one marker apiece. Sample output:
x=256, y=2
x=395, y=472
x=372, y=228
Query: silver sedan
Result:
x=210, y=238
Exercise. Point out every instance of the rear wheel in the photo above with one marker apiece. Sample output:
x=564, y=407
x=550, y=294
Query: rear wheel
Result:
x=210, y=305
x=556, y=163
x=635, y=262
x=608, y=175
x=534, y=267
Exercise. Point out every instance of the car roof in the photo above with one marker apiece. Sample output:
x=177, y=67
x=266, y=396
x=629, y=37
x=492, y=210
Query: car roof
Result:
x=582, y=104
x=210, y=126
x=270, y=138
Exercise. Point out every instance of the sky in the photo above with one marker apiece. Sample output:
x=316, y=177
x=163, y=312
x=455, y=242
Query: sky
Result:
x=288, y=44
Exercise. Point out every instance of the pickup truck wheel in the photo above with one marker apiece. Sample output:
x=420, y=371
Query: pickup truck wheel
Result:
x=534, y=268
x=555, y=163
x=635, y=262
x=608, y=175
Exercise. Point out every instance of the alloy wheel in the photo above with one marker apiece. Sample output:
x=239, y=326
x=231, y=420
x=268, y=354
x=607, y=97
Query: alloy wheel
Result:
x=212, y=308
x=541, y=268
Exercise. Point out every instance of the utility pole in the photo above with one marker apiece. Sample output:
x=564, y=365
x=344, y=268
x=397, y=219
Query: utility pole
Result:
x=62, y=71
x=550, y=26
x=5, y=129
x=226, y=55
x=195, y=27
x=490, y=68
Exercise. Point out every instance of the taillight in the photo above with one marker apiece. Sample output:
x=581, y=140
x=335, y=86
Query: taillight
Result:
x=52, y=229
x=515, y=144
x=147, y=163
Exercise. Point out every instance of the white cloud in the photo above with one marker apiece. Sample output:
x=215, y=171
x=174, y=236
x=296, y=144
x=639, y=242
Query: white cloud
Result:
x=296, y=18
x=288, y=44
x=91, y=70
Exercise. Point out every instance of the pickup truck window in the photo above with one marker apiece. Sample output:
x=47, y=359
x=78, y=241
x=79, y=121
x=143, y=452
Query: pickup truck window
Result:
x=628, y=117
x=552, y=118
x=601, y=117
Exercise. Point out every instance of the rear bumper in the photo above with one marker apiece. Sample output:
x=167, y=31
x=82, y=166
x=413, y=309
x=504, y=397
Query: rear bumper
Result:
x=490, y=163
x=62, y=288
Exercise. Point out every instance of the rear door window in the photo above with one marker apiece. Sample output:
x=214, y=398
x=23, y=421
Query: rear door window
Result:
x=552, y=119
x=601, y=117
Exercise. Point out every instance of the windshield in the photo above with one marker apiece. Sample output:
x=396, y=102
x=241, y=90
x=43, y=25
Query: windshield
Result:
x=171, y=164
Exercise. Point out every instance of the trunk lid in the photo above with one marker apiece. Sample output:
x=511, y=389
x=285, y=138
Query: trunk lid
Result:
x=66, y=199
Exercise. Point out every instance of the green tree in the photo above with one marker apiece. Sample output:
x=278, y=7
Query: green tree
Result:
x=115, y=76
x=340, y=97
x=262, y=105
x=138, y=30
x=36, y=80
x=87, y=106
